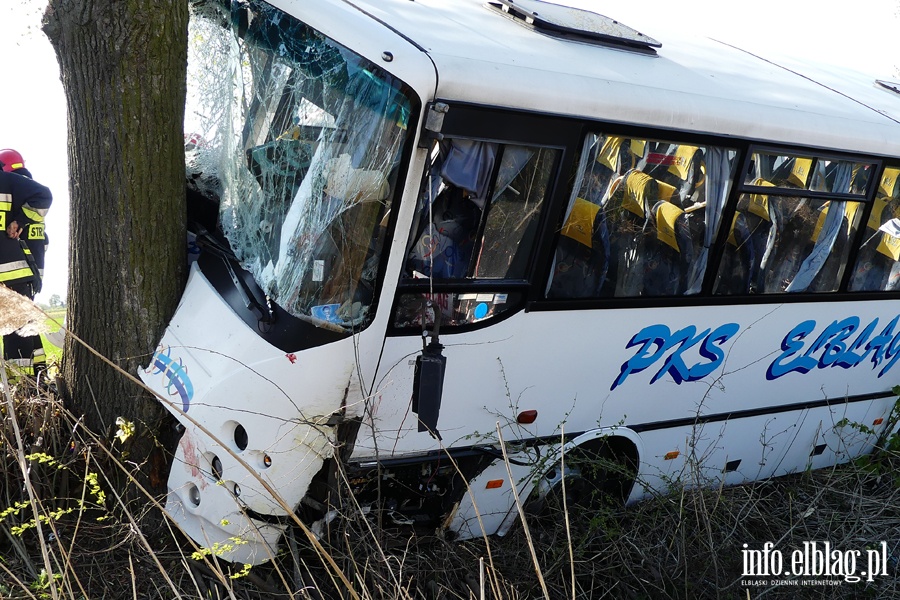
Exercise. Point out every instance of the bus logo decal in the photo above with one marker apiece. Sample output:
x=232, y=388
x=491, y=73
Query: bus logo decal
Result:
x=843, y=343
x=176, y=374
x=656, y=341
x=833, y=347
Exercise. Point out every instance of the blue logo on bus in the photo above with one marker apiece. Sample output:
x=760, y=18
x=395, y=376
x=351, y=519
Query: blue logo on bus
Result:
x=175, y=373
x=845, y=344
x=656, y=341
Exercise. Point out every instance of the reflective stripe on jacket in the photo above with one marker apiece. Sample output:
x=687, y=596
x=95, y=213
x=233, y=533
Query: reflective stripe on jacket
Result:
x=14, y=262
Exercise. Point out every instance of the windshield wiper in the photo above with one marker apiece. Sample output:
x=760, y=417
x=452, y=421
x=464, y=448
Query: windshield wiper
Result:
x=265, y=313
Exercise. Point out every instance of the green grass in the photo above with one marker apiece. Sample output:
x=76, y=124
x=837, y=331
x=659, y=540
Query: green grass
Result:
x=54, y=320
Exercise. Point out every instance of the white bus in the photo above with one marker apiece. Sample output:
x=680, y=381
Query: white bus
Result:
x=432, y=231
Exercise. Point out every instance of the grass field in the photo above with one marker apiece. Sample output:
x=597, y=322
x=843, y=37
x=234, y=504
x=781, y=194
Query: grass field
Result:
x=55, y=318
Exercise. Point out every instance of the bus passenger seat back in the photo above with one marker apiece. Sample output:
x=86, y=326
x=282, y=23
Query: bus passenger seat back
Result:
x=749, y=237
x=734, y=271
x=614, y=158
x=794, y=232
x=628, y=215
x=668, y=251
x=828, y=277
x=582, y=254
x=878, y=262
x=873, y=269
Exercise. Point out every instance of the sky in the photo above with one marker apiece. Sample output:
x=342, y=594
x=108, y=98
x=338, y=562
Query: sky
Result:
x=33, y=121
x=862, y=34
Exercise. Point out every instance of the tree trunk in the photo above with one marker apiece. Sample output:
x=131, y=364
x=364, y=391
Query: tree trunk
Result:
x=123, y=66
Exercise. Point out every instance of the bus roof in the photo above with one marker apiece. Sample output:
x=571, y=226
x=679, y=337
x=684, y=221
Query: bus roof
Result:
x=698, y=85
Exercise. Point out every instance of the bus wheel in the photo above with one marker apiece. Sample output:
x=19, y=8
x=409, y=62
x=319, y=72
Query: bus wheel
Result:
x=598, y=472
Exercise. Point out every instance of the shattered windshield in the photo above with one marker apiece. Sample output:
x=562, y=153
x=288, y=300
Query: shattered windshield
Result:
x=299, y=140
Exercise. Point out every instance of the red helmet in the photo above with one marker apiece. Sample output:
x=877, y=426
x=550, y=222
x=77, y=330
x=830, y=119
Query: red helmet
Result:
x=11, y=160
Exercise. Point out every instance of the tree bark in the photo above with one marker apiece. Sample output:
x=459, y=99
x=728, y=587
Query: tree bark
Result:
x=123, y=67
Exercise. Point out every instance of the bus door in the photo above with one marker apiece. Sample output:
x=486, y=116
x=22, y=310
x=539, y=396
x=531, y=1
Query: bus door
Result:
x=468, y=264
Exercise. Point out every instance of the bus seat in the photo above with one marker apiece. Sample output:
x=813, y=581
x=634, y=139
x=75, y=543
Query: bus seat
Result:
x=828, y=278
x=738, y=260
x=668, y=251
x=686, y=174
x=878, y=262
x=620, y=154
x=678, y=167
x=750, y=238
x=613, y=157
x=794, y=229
x=444, y=249
x=627, y=213
x=582, y=254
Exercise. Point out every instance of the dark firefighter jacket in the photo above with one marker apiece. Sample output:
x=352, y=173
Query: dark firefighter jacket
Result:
x=34, y=234
x=26, y=202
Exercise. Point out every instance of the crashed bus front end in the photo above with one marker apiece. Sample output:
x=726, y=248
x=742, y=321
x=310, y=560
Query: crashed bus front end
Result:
x=295, y=149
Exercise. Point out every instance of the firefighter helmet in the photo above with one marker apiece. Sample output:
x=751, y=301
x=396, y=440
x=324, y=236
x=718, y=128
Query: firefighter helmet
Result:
x=11, y=160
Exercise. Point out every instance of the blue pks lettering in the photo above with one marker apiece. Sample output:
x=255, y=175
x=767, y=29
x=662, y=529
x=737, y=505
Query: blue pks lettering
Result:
x=801, y=352
x=657, y=342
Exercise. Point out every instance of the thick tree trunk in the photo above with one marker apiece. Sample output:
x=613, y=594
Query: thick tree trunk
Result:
x=123, y=65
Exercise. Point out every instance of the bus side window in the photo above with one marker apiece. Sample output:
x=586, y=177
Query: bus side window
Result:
x=782, y=242
x=481, y=225
x=462, y=221
x=450, y=209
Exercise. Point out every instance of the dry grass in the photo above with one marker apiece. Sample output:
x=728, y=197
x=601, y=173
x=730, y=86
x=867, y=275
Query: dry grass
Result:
x=683, y=544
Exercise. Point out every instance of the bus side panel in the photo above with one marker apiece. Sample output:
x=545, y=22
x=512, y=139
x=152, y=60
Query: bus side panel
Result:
x=765, y=381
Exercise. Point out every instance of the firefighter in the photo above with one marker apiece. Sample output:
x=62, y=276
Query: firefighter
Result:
x=34, y=232
x=23, y=205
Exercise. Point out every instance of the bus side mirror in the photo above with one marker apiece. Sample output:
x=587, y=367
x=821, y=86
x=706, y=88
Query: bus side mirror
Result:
x=428, y=386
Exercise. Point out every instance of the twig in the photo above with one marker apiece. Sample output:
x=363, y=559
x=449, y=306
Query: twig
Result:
x=512, y=482
x=23, y=464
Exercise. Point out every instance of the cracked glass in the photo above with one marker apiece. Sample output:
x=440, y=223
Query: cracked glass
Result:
x=298, y=140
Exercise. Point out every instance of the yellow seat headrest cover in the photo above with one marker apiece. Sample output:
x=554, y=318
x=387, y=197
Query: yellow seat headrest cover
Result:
x=609, y=152
x=683, y=157
x=666, y=215
x=877, y=209
x=888, y=186
x=800, y=172
x=889, y=246
x=666, y=191
x=580, y=223
x=759, y=203
x=638, y=192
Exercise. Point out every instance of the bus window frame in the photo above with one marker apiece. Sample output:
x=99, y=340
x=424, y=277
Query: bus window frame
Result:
x=510, y=128
x=739, y=187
